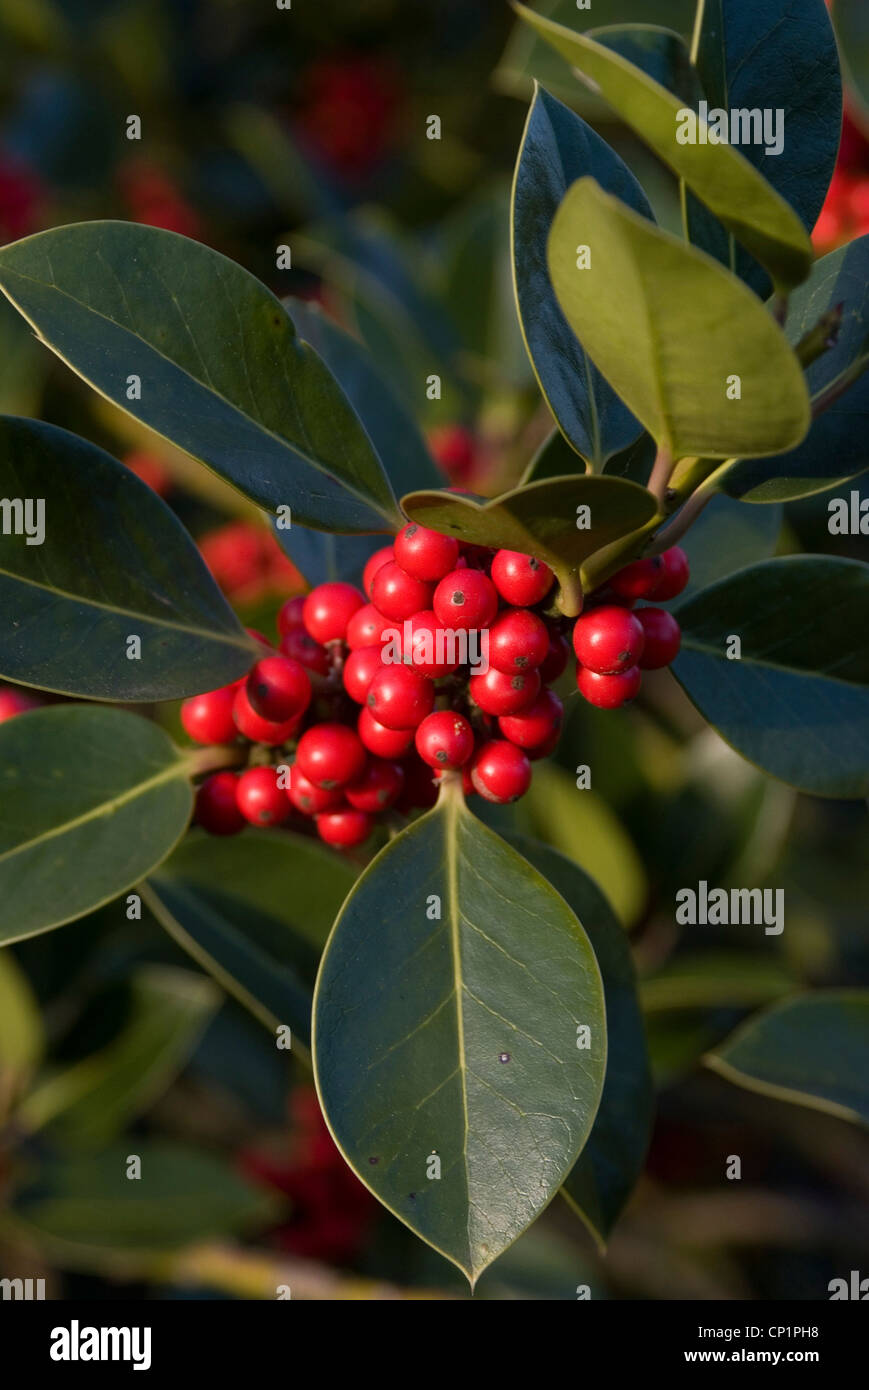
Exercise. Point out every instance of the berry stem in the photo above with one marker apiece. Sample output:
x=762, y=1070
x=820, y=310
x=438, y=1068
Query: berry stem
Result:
x=212, y=759
x=569, y=598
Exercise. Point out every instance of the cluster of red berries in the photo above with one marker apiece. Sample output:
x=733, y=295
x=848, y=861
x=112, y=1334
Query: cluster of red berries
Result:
x=372, y=702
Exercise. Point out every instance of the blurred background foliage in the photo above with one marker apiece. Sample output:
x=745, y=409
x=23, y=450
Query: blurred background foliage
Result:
x=306, y=128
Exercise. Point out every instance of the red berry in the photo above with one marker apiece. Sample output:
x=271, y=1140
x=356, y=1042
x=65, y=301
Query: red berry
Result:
x=663, y=638
x=501, y=772
x=378, y=788
x=464, y=599
x=608, y=640
x=397, y=594
x=290, y=614
x=307, y=798
x=366, y=627
x=556, y=658
x=384, y=556
x=278, y=688
x=330, y=755
x=518, y=640
x=542, y=750
x=344, y=829
x=425, y=554
x=638, y=579
x=257, y=729
x=430, y=650
x=329, y=608
x=673, y=577
x=299, y=646
x=207, y=718
x=216, y=807
x=399, y=697
x=608, y=692
x=260, y=799
x=382, y=742
x=498, y=693
x=536, y=724
x=520, y=579
x=445, y=740
x=360, y=668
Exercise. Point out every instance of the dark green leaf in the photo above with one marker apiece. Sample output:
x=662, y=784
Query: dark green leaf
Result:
x=554, y=459
x=834, y=449
x=606, y=1171
x=852, y=30
x=541, y=518
x=811, y=1050
x=643, y=310
x=88, y=1104
x=255, y=912
x=22, y=1036
x=558, y=148
x=796, y=702
x=114, y=562
x=87, y=1207
x=777, y=57
x=662, y=54
x=321, y=557
x=716, y=980
x=454, y=1032
x=719, y=174
x=726, y=537
x=90, y=800
x=222, y=372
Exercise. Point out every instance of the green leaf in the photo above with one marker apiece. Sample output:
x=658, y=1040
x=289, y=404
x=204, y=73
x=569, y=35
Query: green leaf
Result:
x=777, y=57
x=811, y=1050
x=660, y=53
x=114, y=562
x=852, y=30
x=87, y=1207
x=558, y=148
x=604, y=1175
x=719, y=174
x=726, y=537
x=22, y=1037
x=254, y=912
x=321, y=557
x=796, y=702
x=580, y=824
x=88, y=1104
x=554, y=459
x=834, y=449
x=716, y=980
x=223, y=374
x=90, y=800
x=644, y=309
x=455, y=1033
x=541, y=518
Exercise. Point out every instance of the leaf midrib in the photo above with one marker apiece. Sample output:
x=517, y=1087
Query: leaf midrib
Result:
x=704, y=649
x=451, y=855
x=104, y=808
x=368, y=502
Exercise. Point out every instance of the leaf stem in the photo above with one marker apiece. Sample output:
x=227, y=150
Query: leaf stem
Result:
x=690, y=512
x=822, y=337
x=218, y=755
x=779, y=308
x=660, y=475
x=569, y=598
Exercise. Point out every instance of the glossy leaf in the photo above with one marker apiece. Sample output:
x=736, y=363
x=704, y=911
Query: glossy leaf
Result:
x=113, y=562
x=811, y=1050
x=223, y=374
x=88, y=1104
x=660, y=53
x=726, y=537
x=254, y=912
x=834, y=449
x=446, y=1024
x=558, y=148
x=796, y=702
x=778, y=57
x=541, y=518
x=554, y=459
x=643, y=310
x=719, y=174
x=606, y=1171
x=90, y=800
x=88, y=1208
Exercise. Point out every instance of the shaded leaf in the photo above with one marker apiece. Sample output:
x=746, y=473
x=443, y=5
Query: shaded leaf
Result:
x=796, y=702
x=726, y=537
x=223, y=374
x=454, y=1033
x=22, y=1037
x=643, y=310
x=114, y=562
x=716, y=979
x=812, y=1050
x=90, y=800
